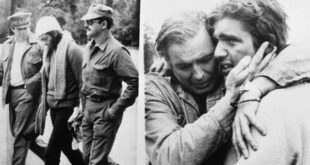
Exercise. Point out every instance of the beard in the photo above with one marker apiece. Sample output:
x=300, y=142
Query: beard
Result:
x=56, y=37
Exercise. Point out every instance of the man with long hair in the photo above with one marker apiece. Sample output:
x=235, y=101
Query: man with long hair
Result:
x=240, y=26
x=62, y=71
x=107, y=64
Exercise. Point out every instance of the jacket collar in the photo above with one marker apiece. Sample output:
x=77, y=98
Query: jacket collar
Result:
x=177, y=87
x=31, y=39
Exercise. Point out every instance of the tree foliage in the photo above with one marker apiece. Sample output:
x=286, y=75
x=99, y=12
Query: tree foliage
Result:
x=5, y=7
x=69, y=13
x=148, y=47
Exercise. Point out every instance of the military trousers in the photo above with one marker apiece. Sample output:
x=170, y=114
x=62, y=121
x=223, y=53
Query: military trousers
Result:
x=98, y=132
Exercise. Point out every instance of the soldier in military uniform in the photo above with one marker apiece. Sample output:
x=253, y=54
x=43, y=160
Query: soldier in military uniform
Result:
x=107, y=63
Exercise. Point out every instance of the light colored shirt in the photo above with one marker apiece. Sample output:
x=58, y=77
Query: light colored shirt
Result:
x=16, y=72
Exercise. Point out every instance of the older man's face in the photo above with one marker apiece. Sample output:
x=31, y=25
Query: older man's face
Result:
x=234, y=42
x=193, y=63
x=21, y=33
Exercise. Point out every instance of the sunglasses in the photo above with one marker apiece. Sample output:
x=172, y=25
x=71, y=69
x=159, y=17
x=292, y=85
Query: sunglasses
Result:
x=91, y=21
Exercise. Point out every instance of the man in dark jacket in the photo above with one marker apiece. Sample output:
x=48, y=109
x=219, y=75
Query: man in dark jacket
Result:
x=20, y=63
x=62, y=72
x=107, y=64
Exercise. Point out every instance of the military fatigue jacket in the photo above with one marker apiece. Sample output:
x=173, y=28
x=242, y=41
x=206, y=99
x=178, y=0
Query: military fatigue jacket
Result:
x=105, y=66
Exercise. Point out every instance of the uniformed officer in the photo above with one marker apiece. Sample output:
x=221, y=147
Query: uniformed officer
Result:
x=107, y=63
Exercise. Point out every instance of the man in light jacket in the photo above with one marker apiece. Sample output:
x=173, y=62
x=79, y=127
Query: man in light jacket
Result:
x=20, y=63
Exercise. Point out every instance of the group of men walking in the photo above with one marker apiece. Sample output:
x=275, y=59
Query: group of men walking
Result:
x=48, y=70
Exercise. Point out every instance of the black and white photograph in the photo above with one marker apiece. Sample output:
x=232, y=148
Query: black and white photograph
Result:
x=69, y=82
x=154, y=82
x=226, y=82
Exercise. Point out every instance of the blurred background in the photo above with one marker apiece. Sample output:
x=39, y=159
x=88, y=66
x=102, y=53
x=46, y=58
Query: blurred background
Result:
x=68, y=12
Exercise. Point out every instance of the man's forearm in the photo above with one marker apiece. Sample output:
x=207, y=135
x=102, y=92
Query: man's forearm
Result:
x=35, y=78
x=127, y=98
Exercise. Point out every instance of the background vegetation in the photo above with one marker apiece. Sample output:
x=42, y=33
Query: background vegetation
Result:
x=148, y=47
x=69, y=12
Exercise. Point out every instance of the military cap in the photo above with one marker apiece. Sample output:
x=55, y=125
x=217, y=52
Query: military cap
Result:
x=97, y=11
x=20, y=19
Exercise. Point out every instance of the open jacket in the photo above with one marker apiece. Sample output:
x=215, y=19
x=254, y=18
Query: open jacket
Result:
x=30, y=66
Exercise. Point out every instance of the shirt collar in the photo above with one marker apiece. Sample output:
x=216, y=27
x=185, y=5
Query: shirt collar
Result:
x=102, y=43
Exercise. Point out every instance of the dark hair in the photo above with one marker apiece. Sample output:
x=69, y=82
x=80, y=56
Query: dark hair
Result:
x=108, y=19
x=178, y=29
x=56, y=37
x=265, y=20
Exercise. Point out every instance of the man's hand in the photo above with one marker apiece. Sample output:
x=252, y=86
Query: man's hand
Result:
x=259, y=62
x=74, y=115
x=237, y=76
x=248, y=105
x=245, y=117
x=159, y=65
x=109, y=115
x=45, y=61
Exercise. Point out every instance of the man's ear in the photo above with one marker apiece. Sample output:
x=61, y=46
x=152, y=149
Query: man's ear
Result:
x=104, y=24
x=167, y=60
x=12, y=28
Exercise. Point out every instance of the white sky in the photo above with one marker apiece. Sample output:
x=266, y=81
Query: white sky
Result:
x=154, y=12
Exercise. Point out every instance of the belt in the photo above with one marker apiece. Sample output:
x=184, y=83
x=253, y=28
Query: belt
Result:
x=96, y=98
x=23, y=86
